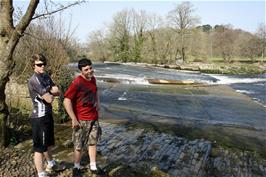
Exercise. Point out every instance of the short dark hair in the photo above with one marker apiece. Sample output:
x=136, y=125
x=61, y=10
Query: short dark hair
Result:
x=38, y=57
x=83, y=63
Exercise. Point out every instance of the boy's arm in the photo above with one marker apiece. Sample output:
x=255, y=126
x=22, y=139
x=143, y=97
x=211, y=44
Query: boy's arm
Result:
x=48, y=97
x=69, y=109
x=42, y=93
x=55, y=91
x=98, y=102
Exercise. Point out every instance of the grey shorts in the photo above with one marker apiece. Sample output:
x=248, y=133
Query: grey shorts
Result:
x=88, y=135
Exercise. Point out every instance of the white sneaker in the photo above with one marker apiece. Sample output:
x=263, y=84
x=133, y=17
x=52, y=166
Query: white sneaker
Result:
x=56, y=168
x=43, y=174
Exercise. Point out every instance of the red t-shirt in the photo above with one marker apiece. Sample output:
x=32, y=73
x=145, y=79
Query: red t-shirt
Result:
x=82, y=94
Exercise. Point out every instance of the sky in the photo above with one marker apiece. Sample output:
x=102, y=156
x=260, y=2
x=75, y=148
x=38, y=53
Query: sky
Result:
x=97, y=14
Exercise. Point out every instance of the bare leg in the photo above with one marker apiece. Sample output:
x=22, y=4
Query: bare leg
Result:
x=38, y=161
x=92, y=153
x=48, y=154
x=77, y=155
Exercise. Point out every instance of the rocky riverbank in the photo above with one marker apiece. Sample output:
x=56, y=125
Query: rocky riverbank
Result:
x=127, y=151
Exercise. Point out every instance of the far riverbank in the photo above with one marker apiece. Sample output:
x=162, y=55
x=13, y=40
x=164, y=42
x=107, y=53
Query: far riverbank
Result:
x=232, y=68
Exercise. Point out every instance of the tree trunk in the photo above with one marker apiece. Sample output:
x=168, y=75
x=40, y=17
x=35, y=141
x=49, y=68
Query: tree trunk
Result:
x=6, y=67
x=183, y=45
x=9, y=38
x=183, y=54
x=3, y=117
x=8, y=43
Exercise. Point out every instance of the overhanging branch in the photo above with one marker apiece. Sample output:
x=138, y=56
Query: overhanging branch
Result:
x=58, y=10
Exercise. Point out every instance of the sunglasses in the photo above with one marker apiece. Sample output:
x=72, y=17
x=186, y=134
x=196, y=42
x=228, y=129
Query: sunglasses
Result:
x=40, y=64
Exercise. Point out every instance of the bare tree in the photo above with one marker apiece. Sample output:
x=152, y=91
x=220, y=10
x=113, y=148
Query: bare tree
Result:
x=223, y=43
x=97, y=45
x=166, y=46
x=47, y=36
x=150, y=52
x=181, y=19
x=261, y=34
x=251, y=48
x=198, y=44
x=10, y=35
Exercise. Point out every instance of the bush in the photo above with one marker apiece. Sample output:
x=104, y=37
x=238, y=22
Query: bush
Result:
x=65, y=78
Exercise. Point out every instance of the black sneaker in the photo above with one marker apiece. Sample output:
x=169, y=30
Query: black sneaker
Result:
x=99, y=171
x=76, y=172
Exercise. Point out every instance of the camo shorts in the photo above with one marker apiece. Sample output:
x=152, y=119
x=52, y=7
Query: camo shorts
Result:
x=89, y=134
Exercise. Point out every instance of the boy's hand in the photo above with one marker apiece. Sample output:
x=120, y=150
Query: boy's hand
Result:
x=75, y=124
x=54, y=90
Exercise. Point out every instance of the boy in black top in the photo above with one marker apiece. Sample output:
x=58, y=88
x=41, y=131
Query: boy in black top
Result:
x=42, y=92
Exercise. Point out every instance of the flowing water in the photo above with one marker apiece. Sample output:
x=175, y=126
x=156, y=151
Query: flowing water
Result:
x=254, y=86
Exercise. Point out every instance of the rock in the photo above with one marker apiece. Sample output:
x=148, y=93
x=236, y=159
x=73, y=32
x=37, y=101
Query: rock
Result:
x=158, y=173
x=113, y=171
x=68, y=143
x=27, y=143
x=175, y=156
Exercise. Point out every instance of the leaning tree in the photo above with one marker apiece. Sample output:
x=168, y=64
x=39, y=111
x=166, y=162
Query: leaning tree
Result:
x=10, y=34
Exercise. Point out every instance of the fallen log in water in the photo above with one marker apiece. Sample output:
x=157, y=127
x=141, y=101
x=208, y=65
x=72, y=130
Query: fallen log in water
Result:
x=173, y=82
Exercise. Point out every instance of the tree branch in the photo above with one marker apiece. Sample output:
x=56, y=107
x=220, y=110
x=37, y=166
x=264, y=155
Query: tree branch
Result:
x=57, y=10
x=26, y=19
x=6, y=12
x=21, y=27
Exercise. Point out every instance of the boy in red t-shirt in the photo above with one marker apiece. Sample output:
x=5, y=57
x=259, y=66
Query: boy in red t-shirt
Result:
x=82, y=105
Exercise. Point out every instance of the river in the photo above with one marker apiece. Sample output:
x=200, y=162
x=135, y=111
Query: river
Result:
x=253, y=86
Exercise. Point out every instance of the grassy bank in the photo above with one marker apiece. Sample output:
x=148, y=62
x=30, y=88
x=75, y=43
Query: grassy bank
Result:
x=234, y=68
x=219, y=66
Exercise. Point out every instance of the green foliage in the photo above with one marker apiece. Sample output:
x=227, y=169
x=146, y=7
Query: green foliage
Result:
x=13, y=141
x=206, y=28
x=65, y=79
x=136, y=52
x=120, y=48
x=137, y=47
